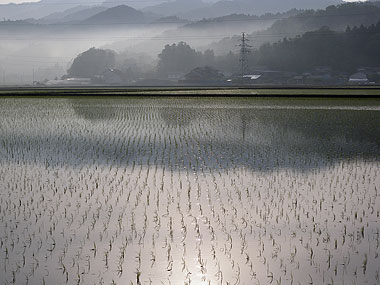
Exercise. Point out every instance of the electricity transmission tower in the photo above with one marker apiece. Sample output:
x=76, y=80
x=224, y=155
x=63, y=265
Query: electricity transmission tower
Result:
x=244, y=51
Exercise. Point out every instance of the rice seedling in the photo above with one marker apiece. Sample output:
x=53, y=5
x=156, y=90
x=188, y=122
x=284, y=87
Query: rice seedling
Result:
x=181, y=191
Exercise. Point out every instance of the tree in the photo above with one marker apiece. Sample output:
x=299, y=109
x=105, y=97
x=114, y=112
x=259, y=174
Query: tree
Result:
x=208, y=57
x=92, y=62
x=178, y=58
x=342, y=51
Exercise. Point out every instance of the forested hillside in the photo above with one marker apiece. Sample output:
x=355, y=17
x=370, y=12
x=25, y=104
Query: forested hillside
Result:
x=342, y=51
x=337, y=18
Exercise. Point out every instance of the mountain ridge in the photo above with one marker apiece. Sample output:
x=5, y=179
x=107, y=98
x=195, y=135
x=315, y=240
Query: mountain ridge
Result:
x=118, y=14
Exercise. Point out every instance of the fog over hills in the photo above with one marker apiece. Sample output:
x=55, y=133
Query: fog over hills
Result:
x=44, y=40
x=119, y=14
x=196, y=9
x=337, y=18
x=71, y=15
x=177, y=7
x=199, y=9
x=44, y=8
x=132, y=3
x=85, y=13
x=37, y=9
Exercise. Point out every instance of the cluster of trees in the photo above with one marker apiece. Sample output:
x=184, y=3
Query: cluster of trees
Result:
x=92, y=62
x=174, y=59
x=342, y=51
x=336, y=17
x=181, y=58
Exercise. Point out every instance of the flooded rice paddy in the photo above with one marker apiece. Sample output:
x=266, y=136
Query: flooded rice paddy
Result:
x=189, y=191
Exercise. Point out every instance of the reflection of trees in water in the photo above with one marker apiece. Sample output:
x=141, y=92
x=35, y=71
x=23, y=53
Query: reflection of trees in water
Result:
x=180, y=117
x=110, y=109
x=340, y=133
x=336, y=133
x=293, y=133
x=328, y=130
x=327, y=124
x=96, y=109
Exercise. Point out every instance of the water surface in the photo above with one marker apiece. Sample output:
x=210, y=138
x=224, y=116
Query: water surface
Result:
x=189, y=190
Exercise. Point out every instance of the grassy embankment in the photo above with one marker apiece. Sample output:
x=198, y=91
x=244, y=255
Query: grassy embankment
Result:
x=365, y=91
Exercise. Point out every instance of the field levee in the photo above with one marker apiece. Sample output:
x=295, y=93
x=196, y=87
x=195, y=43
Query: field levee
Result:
x=357, y=91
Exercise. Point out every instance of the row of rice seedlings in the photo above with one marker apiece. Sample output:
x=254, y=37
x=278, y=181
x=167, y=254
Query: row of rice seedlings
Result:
x=132, y=200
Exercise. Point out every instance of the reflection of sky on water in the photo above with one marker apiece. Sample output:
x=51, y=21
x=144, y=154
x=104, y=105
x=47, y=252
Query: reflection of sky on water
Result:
x=228, y=171
x=260, y=134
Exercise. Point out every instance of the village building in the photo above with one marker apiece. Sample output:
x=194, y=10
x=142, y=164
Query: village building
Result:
x=358, y=78
x=204, y=75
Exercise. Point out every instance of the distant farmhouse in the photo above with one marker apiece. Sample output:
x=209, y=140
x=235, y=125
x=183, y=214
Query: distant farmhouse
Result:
x=205, y=76
x=358, y=78
x=111, y=76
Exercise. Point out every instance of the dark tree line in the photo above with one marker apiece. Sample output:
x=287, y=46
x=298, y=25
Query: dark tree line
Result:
x=182, y=58
x=337, y=17
x=342, y=51
x=92, y=62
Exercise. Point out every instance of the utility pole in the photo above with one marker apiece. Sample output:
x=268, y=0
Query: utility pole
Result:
x=244, y=51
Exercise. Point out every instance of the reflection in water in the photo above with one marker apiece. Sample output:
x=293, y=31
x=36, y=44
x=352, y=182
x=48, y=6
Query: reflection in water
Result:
x=189, y=191
x=289, y=130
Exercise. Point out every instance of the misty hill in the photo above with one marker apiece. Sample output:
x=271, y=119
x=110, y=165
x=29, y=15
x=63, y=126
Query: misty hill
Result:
x=242, y=21
x=119, y=14
x=60, y=15
x=170, y=20
x=337, y=18
x=78, y=13
x=82, y=14
x=27, y=10
x=21, y=27
x=255, y=7
x=342, y=51
x=137, y=4
x=200, y=34
x=176, y=7
x=43, y=8
x=194, y=10
x=37, y=10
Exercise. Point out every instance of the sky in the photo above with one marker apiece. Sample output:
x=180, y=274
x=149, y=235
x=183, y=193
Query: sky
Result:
x=15, y=1
x=98, y=1
x=94, y=2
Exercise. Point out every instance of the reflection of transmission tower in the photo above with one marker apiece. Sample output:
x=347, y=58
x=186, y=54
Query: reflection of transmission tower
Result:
x=244, y=51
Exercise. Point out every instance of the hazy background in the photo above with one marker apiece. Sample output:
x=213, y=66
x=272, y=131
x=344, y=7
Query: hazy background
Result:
x=39, y=41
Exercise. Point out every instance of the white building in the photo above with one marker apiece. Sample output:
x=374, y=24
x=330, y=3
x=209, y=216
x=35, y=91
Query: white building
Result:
x=358, y=78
